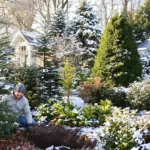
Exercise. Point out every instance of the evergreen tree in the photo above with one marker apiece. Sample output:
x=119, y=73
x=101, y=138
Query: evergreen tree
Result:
x=5, y=50
x=85, y=28
x=5, y=54
x=117, y=61
x=68, y=77
x=49, y=80
x=141, y=22
x=48, y=74
x=28, y=76
x=7, y=121
x=58, y=25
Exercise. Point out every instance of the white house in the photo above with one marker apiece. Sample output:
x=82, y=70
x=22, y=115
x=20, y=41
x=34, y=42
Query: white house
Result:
x=25, y=47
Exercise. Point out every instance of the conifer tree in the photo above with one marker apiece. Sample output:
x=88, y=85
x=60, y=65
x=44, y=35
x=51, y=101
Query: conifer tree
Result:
x=86, y=29
x=5, y=54
x=141, y=22
x=58, y=25
x=48, y=72
x=28, y=76
x=8, y=121
x=68, y=77
x=117, y=61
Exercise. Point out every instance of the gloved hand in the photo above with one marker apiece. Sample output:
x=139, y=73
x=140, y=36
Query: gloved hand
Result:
x=30, y=127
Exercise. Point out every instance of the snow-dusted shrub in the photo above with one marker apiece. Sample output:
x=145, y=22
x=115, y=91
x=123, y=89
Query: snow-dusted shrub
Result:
x=118, y=131
x=88, y=90
x=44, y=111
x=139, y=95
x=116, y=95
x=62, y=113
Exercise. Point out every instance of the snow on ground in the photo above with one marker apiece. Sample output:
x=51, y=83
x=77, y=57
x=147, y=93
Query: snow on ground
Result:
x=93, y=132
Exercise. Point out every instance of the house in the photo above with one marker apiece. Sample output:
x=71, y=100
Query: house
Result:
x=25, y=47
x=144, y=50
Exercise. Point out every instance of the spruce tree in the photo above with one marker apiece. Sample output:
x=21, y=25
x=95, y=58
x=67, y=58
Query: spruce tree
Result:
x=117, y=61
x=48, y=72
x=5, y=54
x=58, y=24
x=86, y=29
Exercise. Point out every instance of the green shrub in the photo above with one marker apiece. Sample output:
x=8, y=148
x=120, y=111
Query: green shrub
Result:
x=7, y=121
x=139, y=95
x=62, y=113
x=45, y=111
x=116, y=95
x=103, y=110
x=118, y=131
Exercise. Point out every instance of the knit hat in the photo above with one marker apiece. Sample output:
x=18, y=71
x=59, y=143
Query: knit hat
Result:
x=19, y=87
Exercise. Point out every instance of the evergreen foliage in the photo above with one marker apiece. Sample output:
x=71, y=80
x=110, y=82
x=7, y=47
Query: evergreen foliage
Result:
x=85, y=28
x=28, y=76
x=5, y=54
x=68, y=77
x=49, y=70
x=8, y=121
x=5, y=50
x=141, y=22
x=58, y=25
x=117, y=61
x=139, y=95
x=49, y=80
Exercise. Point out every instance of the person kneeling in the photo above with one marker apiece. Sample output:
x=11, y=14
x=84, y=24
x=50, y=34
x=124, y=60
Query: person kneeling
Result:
x=19, y=106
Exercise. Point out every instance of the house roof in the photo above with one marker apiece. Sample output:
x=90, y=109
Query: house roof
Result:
x=145, y=45
x=30, y=37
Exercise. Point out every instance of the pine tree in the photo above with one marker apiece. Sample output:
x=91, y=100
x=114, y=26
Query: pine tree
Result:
x=141, y=22
x=117, y=61
x=86, y=29
x=58, y=25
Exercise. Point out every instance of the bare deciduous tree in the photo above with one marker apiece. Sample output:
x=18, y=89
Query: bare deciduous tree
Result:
x=20, y=13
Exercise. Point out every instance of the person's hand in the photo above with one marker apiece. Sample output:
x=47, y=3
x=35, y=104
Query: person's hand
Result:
x=30, y=127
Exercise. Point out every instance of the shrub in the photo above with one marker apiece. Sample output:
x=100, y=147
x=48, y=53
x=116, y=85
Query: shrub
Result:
x=45, y=111
x=139, y=95
x=116, y=95
x=118, y=131
x=7, y=121
x=88, y=90
x=62, y=113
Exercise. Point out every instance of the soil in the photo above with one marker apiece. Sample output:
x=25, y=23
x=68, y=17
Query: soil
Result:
x=44, y=136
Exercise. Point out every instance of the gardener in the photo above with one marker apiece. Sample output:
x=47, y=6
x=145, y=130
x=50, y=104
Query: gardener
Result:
x=19, y=105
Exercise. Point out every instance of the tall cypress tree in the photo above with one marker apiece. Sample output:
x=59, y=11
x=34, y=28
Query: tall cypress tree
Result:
x=117, y=61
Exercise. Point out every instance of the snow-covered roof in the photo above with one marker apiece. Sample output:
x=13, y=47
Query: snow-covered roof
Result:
x=30, y=37
x=145, y=45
